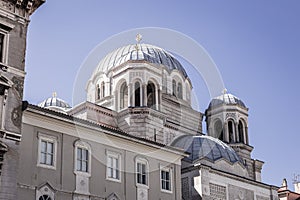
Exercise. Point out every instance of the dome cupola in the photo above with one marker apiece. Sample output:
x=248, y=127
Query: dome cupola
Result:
x=137, y=53
x=205, y=147
x=226, y=99
x=55, y=103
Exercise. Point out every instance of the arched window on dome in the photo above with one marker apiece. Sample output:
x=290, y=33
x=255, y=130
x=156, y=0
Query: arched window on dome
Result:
x=241, y=132
x=123, y=96
x=179, y=90
x=219, y=130
x=98, y=92
x=137, y=94
x=151, y=95
x=174, y=88
x=230, y=125
x=102, y=89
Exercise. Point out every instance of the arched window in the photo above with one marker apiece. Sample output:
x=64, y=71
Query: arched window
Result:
x=231, y=131
x=45, y=197
x=103, y=89
x=241, y=132
x=179, y=91
x=98, y=91
x=151, y=96
x=137, y=94
x=174, y=88
x=123, y=96
x=219, y=130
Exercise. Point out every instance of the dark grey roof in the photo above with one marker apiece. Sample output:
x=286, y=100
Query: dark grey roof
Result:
x=227, y=99
x=202, y=146
x=145, y=52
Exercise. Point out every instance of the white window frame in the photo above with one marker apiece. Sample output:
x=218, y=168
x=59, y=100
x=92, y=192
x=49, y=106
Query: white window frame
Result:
x=85, y=146
x=50, y=139
x=170, y=170
x=114, y=155
x=144, y=162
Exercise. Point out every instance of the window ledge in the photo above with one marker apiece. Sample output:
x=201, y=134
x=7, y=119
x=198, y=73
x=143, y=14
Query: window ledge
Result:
x=113, y=180
x=167, y=191
x=80, y=173
x=46, y=166
x=142, y=186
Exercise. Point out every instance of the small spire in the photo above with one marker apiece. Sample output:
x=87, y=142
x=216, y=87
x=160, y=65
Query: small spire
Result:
x=224, y=91
x=138, y=38
x=54, y=94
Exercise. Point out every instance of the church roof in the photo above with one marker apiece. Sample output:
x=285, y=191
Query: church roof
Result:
x=202, y=146
x=227, y=99
x=139, y=52
x=55, y=103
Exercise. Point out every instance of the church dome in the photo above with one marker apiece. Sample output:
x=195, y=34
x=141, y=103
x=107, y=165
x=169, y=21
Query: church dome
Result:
x=205, y=147
x=227, y=99
x=139, y=52
x=55, y=103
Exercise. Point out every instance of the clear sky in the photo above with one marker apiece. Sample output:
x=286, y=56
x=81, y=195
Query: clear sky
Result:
x=255, y=44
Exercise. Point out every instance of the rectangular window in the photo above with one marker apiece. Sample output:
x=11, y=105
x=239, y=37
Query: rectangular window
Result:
x=47, y=149
x=165, y=180
x=47, y=153
x=113, y=167
x=141, y=173
x=82, y=159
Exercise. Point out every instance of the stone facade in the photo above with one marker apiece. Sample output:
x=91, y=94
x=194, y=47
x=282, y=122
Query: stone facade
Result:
x=14, y=20
x=62, y=179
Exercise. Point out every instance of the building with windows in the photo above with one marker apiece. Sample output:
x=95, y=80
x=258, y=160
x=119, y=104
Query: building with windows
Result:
x=135, y=137
x=138, y=137
x=14, y=20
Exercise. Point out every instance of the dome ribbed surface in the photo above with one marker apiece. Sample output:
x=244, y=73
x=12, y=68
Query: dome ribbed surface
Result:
x=54, y=102
x=227, y=99
x=139, y=52
x=201, y=147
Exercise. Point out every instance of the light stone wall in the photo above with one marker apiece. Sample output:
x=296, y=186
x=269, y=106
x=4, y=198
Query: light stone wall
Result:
x=63, y=179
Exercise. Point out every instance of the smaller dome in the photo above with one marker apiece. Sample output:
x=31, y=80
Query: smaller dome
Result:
x=55, y=103
x=227, y=99
x=208, y=147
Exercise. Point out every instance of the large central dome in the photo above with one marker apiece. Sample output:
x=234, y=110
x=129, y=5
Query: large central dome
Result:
x=139, y=52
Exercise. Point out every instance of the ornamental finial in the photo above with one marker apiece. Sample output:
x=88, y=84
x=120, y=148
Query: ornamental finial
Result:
x=224, y=91
x=54, y=94
x=138, y=38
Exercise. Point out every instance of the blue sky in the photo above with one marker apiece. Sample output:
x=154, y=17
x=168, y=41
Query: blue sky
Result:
x=255, y=44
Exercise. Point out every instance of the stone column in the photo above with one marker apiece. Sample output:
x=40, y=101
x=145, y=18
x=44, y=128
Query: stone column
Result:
x=144, y=92
x=130, y=96
x=246, y=135
x=236, y=134
x=159, y=99
x=156, y=99
x=116, y=103
x=226, y=132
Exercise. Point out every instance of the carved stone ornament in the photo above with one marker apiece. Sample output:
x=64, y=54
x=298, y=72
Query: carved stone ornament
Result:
x=16, y=116
x=7, y=5
x=18, y=86
x=230, y=115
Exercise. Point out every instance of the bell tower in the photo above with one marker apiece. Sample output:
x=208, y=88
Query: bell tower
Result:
x=227, y=120
x=14, y=21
